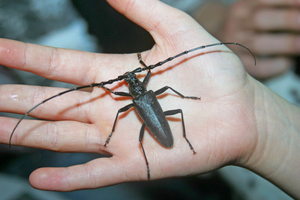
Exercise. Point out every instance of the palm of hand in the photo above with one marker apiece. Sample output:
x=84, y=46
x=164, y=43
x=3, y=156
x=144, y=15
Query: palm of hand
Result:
x=219, y=126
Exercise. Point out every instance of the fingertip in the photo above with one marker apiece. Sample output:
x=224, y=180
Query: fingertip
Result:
x=11, y=52
x=146, y=13
x=48, y=179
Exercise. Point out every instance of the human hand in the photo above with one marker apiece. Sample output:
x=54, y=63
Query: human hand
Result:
x=270, y=28
x=222, y=127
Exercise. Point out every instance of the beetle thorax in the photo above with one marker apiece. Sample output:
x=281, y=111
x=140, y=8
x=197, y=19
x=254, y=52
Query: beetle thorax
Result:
x=136, y=87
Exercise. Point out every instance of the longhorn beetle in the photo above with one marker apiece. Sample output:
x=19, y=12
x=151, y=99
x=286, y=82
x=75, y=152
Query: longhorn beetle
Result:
x=145, y=102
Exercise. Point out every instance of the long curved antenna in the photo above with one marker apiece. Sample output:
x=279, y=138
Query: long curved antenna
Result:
x=195, y=49
x=121, y=77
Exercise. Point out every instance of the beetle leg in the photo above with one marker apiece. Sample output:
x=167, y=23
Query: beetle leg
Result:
x=162, y=90
x=146, y=79
x=140, y=139
x=173, y=112
x=125, y=108
x=123, y=94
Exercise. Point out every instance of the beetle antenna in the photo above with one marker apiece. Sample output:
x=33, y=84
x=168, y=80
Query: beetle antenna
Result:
x=195, y=49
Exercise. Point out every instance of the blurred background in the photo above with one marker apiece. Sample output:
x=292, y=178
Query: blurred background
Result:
x=94, y=26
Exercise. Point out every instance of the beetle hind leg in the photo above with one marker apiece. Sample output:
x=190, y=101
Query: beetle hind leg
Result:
x=140, y=139
x=173, y=112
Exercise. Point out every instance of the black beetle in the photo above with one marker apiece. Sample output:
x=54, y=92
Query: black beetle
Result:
x=145, y=102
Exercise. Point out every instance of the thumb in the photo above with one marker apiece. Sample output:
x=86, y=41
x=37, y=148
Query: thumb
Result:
x=154, y=16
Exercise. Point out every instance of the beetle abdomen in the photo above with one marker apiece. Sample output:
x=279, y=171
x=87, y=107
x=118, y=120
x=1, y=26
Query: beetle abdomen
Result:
x=153, y=116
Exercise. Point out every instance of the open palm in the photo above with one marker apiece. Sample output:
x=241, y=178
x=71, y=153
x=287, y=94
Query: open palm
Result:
x=221, y=127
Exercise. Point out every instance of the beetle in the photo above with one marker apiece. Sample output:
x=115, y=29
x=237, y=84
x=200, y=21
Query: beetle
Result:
x=145, y=102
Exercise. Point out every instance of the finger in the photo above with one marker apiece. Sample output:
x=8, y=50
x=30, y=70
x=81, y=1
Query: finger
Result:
x=71, y=106
x=270, y=19
x=72, y=66
x=275, y=44
x=62, y=136
x=267, y=67
x=278, y=2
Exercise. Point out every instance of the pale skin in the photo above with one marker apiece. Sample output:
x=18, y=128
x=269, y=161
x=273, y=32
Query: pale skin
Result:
x=238, y=121
x=270, y=28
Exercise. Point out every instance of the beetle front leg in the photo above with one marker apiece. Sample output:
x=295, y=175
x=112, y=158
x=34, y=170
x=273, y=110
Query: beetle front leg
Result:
x=123, y=94
x=146, y=79
x=124, y=109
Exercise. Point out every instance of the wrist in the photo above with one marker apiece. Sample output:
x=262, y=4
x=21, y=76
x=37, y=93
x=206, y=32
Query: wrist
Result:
x=276, y=154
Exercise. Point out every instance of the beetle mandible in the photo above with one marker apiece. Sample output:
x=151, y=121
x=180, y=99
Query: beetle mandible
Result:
x=145, y=102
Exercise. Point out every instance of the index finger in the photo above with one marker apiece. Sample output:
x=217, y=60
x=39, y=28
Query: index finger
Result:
x=72, y=66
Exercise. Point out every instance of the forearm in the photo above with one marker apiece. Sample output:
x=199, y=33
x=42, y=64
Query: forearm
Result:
x=277, y=153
